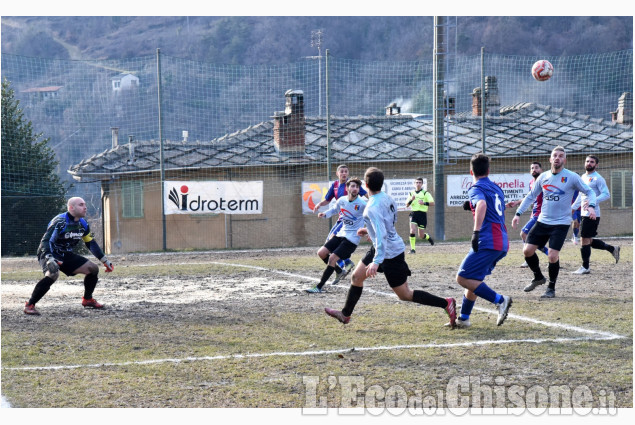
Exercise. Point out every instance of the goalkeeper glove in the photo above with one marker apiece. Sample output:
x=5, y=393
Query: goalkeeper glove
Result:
x=51, y=264
x=107, y=264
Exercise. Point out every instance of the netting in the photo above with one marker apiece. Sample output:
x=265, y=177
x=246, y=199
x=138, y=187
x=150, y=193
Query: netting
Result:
x=227, y=129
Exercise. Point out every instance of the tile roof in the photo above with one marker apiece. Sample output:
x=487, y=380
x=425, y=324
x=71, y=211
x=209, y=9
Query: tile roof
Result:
x=520, y=130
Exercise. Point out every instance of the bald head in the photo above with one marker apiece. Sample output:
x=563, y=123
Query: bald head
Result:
x=76, y=207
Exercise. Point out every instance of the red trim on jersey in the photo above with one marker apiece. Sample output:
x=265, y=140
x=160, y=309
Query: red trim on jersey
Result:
x=497, y=237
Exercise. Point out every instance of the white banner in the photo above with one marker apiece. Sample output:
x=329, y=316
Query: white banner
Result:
x=213, y=197
x=515, y=186
x=314, y=192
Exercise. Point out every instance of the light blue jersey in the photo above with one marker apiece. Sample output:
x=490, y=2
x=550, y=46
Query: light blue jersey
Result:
x=596, y=182
x=380, y=217
x=557, y=196
x=351, y=216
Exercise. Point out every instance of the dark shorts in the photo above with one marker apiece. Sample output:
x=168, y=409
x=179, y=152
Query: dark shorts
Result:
x=341, y=247
x=70, y=263
x=589, y=228
x=395, y=269
x=419, y=217
x=541, y=233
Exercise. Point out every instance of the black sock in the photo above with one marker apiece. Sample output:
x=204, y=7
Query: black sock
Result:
x=554, y=269
x=599, y=244
x=354, y=292
x=90, y=282
x=326, y=261
x=328, y=271
x=426, y=298
x=41, y=288
x=534, y=265
x=585, y=252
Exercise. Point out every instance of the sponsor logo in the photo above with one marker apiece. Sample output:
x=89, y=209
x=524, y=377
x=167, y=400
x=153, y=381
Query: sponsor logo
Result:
x=73, y=235
x=553, y=189
x=184, y=203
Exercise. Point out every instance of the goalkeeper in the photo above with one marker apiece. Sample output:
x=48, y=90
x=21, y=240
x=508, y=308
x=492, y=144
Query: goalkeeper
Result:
x=55, y=253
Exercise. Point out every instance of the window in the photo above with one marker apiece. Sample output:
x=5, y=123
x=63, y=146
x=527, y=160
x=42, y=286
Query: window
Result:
x=622, y=189
x=132, y=198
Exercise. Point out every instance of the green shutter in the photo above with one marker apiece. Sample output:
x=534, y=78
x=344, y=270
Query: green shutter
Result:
x=132, y=198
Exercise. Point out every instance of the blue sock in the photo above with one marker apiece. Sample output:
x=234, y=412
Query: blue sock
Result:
x=348, y=261
x=545, y=250
x=340, y=263
x=466, y=308
x=488, y=294
x=576, y=231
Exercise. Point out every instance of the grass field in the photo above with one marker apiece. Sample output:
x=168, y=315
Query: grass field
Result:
x=235, y=329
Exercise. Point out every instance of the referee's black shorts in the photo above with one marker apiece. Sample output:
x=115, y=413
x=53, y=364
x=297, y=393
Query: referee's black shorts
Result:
x=395, y=269
x=419, y=217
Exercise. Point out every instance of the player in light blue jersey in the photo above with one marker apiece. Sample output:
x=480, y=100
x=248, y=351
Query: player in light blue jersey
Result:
x=557, y=187
x=588, y=227
x=489, y=243
x=387, y=255
x=339, y=248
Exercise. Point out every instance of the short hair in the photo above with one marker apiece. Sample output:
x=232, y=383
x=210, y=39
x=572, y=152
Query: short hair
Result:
x=597, y=161
x=339, y=167
x=537, y=163
x=479, y=164
x=374, y=179
x=419, y=179
x=559, y=148
x=355, y=180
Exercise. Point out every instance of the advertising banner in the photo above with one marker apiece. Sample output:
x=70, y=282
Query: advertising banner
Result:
x=515, y=186
x=213, y=197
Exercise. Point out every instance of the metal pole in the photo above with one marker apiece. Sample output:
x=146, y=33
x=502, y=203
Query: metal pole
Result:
x=319, y=82
x=328, y=129
x=483, y=106
x=161, y=161
x=439, y=125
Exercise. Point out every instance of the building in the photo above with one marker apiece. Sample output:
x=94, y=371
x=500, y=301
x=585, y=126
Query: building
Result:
x=124, y=81
x=292, y=149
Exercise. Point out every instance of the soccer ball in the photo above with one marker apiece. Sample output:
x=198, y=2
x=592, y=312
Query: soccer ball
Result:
x=542, y=70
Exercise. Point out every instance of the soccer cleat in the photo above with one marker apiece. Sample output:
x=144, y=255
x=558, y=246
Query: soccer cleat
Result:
x=412, y=251
x=430, y=240
x=503, y=309
x=338, y=315
x=314, y=290
x=91, y=303
x=451, y=310
x=341, y=275
x=549, y=293
x=582, y=270
x=461, y=324
x=616, y=254
x=534, y=283
x=524, y=265
x=30, y=309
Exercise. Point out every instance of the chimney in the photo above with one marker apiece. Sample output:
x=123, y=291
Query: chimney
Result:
x=449, y=106
x=185, y=135
x=476, y=102
x=492, y=100
x=115, y=136
x=131, y=149
x=393, y=109
x=624, y=113
x=288, y=125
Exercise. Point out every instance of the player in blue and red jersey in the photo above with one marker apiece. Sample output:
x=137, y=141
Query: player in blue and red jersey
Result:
x=489, y=243
x=535, y=170
x=336, y=191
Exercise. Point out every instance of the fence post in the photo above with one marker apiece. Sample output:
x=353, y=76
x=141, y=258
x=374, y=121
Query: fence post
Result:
x=161, y=161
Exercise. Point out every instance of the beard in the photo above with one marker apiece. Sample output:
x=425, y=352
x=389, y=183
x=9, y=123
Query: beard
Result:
x=590, y=169
x=535, y=174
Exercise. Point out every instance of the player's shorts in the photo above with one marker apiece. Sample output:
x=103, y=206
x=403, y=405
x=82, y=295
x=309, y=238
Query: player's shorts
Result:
x=395, y=269
x=542, y=233
x=576, y=215
x=341, y=247
x=420, y=218
x=336, y=228
x=477, y=265
x=70, y=263
x=589, y=228
x=529, y=225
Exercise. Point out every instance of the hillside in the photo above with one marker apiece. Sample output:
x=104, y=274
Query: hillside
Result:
x=259, y=40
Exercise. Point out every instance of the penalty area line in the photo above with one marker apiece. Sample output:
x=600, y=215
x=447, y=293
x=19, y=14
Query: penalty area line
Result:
x=307, y=353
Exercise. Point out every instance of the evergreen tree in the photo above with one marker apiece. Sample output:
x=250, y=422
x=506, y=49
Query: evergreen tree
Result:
x=31, y=189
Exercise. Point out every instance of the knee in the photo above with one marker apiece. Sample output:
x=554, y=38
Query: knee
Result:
x=405, y=297
x=52, y=276
x=93, y=268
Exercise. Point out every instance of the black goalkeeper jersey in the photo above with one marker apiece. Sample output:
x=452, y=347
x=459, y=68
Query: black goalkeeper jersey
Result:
x=63, y=234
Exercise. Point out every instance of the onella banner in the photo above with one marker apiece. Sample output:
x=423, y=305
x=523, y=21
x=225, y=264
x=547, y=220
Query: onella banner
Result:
x=314, y=192
x=213, y=197
x=515, y=186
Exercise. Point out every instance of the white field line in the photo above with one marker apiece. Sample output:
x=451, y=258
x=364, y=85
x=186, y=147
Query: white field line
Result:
x=599, y=335
x=309, y=353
